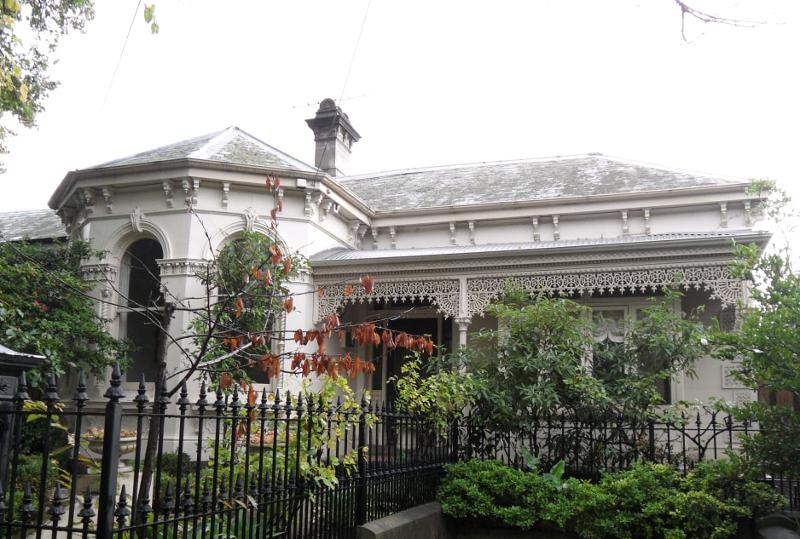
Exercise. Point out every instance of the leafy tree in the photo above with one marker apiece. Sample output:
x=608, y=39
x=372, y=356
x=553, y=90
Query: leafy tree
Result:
x=45, y=308
x=539, y=361
x=768, y=347
x=29, y=34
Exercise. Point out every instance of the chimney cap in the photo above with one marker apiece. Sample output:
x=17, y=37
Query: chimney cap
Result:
x=329, y=116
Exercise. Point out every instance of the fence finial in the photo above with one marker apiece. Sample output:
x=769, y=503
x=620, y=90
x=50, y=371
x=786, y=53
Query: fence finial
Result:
x=87, y=511
x=114, y=390
x=22, y=388
x=80, y=392
x=141, y=394
x=163, y=395
x=51, y=390
x=122, y=511
x=183, y=401
x=202, y=402
x=57, y=503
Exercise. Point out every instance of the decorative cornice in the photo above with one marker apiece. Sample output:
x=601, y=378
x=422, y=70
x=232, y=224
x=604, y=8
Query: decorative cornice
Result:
x=167, y=186
x=98, y=273
x=169, y=267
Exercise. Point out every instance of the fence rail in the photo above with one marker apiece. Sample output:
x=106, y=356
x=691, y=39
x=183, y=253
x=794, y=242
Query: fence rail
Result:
x=289, y=465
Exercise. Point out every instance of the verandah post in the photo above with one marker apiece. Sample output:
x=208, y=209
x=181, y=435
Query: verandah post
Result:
x=110, y=462
x=361, y=484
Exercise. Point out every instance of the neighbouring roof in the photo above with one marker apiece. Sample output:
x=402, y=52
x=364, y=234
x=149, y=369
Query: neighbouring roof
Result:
x=231, y=145
x=32, y=225
x=344, y=256
x=517, y=181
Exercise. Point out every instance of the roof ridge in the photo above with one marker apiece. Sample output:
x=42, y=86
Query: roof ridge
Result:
x=150, y=150
x=215, y=143
x=473, y=164
x=280, y=153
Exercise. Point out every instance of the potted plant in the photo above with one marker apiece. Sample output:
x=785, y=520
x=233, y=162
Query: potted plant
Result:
x=94, y=439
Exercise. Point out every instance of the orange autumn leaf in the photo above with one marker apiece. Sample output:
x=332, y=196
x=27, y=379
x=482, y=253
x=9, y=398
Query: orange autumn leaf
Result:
x=273, y=214
x=287, y=265
x=288, y=304
x=239, y=307
x=387, y=339
x=321, y=291
x=251, y=396
x=368, y=282
x=298, y=335
x=275, y=253
x=298, y=360
x=348, y=290
x=226, y=380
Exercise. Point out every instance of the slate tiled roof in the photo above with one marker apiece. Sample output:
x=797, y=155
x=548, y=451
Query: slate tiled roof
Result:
x=516, y=181
x=31, y=224
x=231, y=145
x=343, y=255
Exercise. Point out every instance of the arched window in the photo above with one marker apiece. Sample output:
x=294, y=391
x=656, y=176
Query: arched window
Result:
x=142, y=288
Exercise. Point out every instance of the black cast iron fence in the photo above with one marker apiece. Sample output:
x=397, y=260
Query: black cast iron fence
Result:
x=223, y=465
x=595, y=444
x=241, y=465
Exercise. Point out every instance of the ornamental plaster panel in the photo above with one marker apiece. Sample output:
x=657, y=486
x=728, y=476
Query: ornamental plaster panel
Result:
x=98, y=273
x=183, y=266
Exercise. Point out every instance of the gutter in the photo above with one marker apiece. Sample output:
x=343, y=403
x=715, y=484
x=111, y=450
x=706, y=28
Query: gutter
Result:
x=760, y=238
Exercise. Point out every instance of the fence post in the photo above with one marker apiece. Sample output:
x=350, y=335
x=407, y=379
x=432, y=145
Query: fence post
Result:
x=110, y=462
x=455, y=433
x=651, y=428
x=12, y=366
x=361, y=483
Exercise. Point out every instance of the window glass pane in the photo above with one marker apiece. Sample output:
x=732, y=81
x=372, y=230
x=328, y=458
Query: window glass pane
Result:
x=144, y=285
x=609, y=325
x=143, y=336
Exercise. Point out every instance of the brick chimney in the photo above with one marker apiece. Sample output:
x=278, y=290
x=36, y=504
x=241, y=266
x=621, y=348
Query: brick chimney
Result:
x=334, y=137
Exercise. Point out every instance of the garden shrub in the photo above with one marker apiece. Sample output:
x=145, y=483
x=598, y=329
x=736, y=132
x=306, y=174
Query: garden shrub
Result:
x=737, y=481
x=490, y=490
x=647, y=501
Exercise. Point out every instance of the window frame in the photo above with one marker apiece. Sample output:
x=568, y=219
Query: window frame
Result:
x=632, y=307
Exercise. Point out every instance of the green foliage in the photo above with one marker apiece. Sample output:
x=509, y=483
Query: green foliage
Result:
x=536, y=362
x=236, y=332
x=660, y=343
x=490, y=491
x=736, y=481
x=767, y=345
x=45, y=308
x=170, y=462
x=441, y=393
x=29, y=34
x=648, y=501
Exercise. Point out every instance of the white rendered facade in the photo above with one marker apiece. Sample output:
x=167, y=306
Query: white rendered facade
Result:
x=610, y=249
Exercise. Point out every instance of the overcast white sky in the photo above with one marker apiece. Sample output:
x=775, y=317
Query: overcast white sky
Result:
x=432, y=82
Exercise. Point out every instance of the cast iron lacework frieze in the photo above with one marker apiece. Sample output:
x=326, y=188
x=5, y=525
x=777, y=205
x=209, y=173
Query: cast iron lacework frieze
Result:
x=481, y=291
x=442, y=293
x=716, y=279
